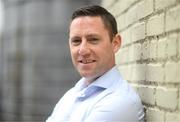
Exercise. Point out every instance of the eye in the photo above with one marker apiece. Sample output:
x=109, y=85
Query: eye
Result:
x=75, y=42
x=93, y=40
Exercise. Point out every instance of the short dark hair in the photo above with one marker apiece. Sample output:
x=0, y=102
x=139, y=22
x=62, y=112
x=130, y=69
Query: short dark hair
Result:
x=95, y=10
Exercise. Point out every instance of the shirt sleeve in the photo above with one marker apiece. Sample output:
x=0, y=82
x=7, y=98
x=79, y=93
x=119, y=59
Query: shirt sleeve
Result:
x=62, y=108
x=116, y=110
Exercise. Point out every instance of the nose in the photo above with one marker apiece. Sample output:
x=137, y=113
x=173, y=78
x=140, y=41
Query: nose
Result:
x=84, y=49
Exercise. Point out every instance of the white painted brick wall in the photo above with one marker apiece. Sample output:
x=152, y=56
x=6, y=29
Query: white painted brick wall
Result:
x=147, y=94
x=122, y=21
x=150, y=54
x=178, y=44
x=131, y=16
x=167, y=98
x=161, y=48
x=153, y=49
x=154, y=115
x=160, y=4
x=121, y=6
x=145, y=50
x=155, y=72
x=155, y=25
x=173, y=19
x=144, y=8
x=172, y=45
x=173, y=117
x=126, y=37
x=126, y=71
x=107, y=3
x=179, y=100
x=172, y=72
x=138, y=72
x=135, y=52
x=124, y=55
x=138, y=32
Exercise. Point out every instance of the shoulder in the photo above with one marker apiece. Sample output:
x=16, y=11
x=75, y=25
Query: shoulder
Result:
x=115, y=107
x=68, y=96
x=122, y=101
x=122, y=95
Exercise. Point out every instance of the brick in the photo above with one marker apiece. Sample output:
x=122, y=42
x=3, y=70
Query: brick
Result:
x=135, y=52
x=129, y=73
x=131, y=15
x=161, y=48
x=145, y=50
x=118, y=57
x=160, y=4
x=121, y=6
x=138, y=72
x=125, y=71
x=167, y=98
x=147, y=94
x=155, y=25
x=173, y=19
x=107, y=3
x=138, y=11
x=125, y=37
x=138, y=32
x=172, y=70
x=155, y=72
x=124, y=5
x=121, y=22
x=144, y=8
x=178, y=44
x=173, y=117
x=153, y=49
x=154, y=115
x=131, y=53
x=172, y=45
x=114, y=9
x=179, y=99
x=122, y=56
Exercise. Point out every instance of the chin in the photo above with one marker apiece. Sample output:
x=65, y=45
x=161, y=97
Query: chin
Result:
x=90, y=76
x=87, y=75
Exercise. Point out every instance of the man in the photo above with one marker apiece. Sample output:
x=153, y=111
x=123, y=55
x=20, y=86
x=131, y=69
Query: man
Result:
x=101, y=95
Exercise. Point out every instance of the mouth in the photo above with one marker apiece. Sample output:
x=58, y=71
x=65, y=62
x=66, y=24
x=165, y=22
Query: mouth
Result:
x=86, y=61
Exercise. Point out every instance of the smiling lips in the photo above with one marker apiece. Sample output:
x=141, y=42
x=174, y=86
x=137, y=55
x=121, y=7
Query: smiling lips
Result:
x=86, y=61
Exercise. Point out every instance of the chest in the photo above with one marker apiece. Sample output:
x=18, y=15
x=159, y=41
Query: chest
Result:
x=77, y=110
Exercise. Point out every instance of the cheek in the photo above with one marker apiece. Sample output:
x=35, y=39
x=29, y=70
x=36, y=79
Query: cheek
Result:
x=107, y=54
x=72, y=50
x=73, y=54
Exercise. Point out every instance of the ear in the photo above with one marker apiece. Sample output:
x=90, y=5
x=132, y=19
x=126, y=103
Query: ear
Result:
x=116, y=42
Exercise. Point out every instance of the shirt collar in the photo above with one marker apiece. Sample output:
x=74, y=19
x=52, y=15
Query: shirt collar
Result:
x=104, y=81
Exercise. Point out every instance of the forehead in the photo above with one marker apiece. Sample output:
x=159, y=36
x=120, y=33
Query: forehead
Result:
x=87, y=23
x=87, y=20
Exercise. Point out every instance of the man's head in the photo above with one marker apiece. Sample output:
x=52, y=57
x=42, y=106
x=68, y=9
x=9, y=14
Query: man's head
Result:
x=94, y=10
x=93, y=41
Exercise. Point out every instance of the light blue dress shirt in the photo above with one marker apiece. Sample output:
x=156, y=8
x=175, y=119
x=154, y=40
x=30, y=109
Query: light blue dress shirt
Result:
x=108, y=99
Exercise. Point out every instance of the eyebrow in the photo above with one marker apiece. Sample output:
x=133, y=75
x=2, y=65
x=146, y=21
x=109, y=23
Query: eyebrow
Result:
x=92, y=35
x=87, y=36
